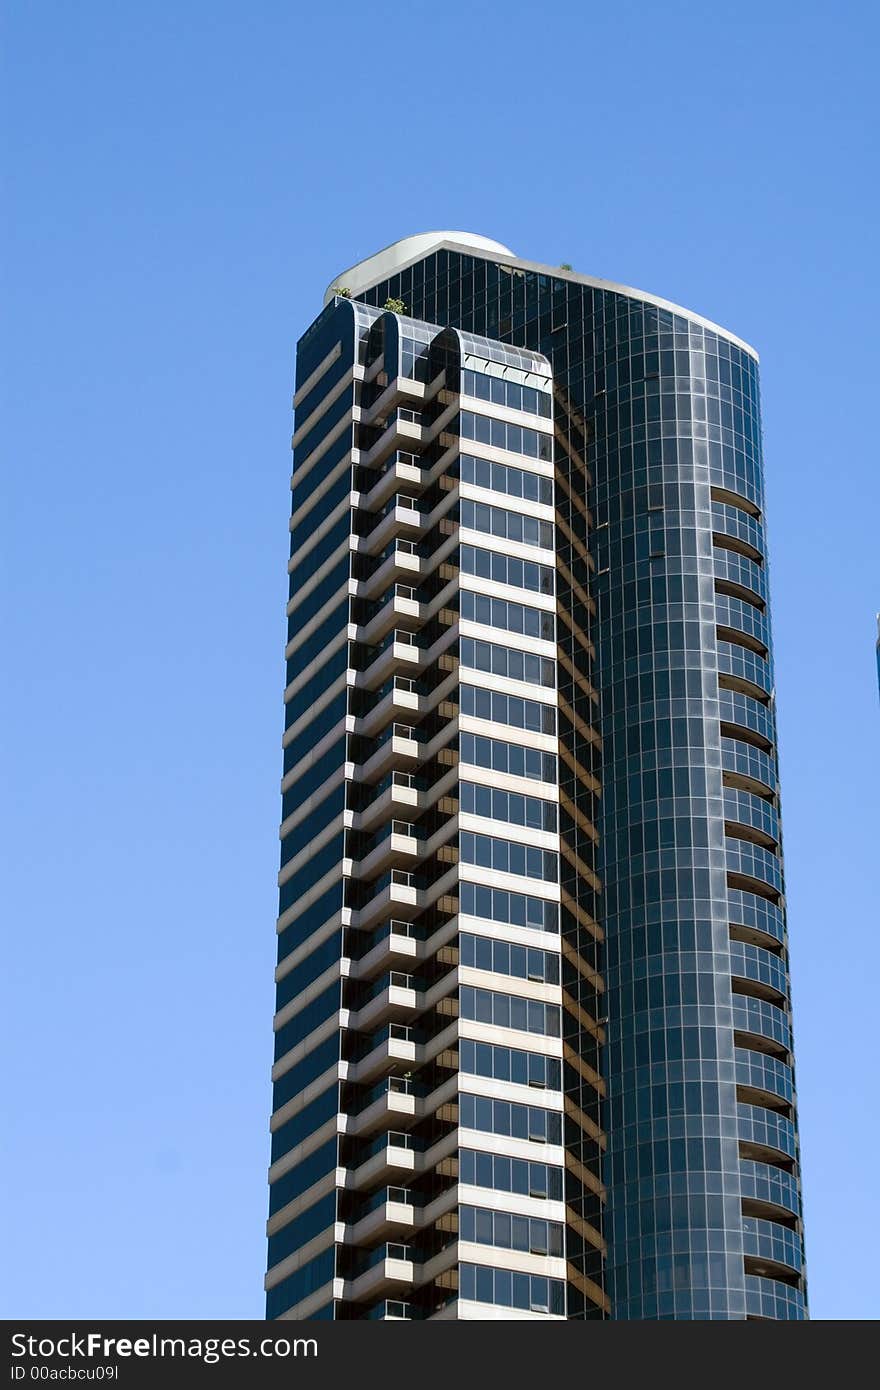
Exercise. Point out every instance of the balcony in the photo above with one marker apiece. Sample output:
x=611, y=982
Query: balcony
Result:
x=394, y=999
x=742, y=623
x=401, y=517
x=747, y=767
x=755, y=919
x=399, y=608
x=402, y=472
x=396, y=845
x=740, y=573
x=389, y=1266
x=398, y=749
x=744, y=670
x=393, y=1098
x=751, y=817
x=400, y=944
x=772, y=1245
x=400, y=429
x=763, y=1074
x=769, y=1299
x=390, y=1211
x=772, y=1187
x=392, y=1153
x=765, y=1135
x=393, y=1046
x=393, y=979
x=763, y=1025
x=764, y=971
x=398, y=699
x=399, y=651
x=395, y=894
x=752, y=862
x=744, y=533
x=399, y=561
x=737, y=710
x=397, y=792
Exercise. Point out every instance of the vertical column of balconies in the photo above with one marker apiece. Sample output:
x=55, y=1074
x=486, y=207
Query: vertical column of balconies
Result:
x=361, y=1140
x=512, y=1159
x=765, y=1091
x=397, y=1111
x=673, y=1225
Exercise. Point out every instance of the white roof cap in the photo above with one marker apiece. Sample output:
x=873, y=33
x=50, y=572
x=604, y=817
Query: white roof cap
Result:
x=400, y=253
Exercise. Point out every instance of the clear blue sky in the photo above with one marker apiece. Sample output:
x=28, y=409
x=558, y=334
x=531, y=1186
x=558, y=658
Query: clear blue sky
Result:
x=185, y=180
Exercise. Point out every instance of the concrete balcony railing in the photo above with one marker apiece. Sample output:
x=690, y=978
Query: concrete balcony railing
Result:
x=397, y=1103
x=393, y=1103
x=401, y=1048
x=401, y=945
x=399, y=610
x=390, y=1213
x=403, y=431
x=399, y=749
x=402, y=473
x=401, y=996
x=399, y=652
x=395, y=896
x=397, y=846
x=396, y=700
x=400, y=563
x=393, y=1152
x=401, y=518
x=391, y=1267
x=398, y=1153
x=394, y=1047
x=395, y=1001
x=396, y=797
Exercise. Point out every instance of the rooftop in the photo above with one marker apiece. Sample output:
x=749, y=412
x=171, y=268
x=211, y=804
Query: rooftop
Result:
x=405, y=252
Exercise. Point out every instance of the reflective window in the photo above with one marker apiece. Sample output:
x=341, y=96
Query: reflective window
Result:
x=517, y=909
x=512, y=758
x=505, y=856
x=507, y=525
x=503, y=477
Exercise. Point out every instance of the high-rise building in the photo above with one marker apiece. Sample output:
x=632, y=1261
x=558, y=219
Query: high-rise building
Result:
x=533, y=1033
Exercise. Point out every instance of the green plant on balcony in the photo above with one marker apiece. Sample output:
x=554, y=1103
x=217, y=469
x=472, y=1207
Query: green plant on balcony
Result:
x=395, y=306
x=343, y=291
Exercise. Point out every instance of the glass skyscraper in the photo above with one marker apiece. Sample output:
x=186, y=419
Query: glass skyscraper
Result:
x=533, y=1052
